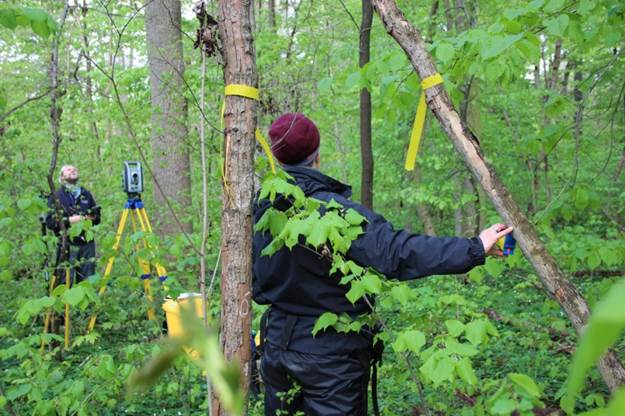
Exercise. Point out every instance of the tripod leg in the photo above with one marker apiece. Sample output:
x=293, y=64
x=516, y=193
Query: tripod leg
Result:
x=46, y=321
x=111, y=260
x=145, y=267
x=162, y=273
x=67, y=286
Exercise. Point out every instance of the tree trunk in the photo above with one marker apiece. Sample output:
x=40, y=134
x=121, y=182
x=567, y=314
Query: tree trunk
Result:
x=89, y=82
x=465, y=142
x=467, y=214
x=272, y=13
x=366, y=183
x=432, y=24
x=170, y=164
x=238, y=186
x=422, y=209
x=621, y=163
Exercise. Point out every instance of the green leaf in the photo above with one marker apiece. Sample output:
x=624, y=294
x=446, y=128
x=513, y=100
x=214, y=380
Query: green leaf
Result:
x=35, y=14
x=277, y=222
x=24, y=203
x=18, y=391
x=324, y=85
x=354, y=80
x=52, y=24
x=319, y=234
x=608, y=255
x=503, y=406
x=443, y=371
x=616, y=407
x=558, y=25
x=334, y=205
x=5, y=252
x=476, y=331
x=582, y=198
x=476, y=275
x=6, y=275
x=553, y=5
x=526, y=383
x=409, y=341
x=604, y=327
x=3, y=99
x=356, y=291
x=454, y=327
x=40, y=28
x=34, y=246
x=494, y=266
x=462, y=349
x=402, y=293
x=354, y=268
x=594, y=260
x=445, y=52
x=529, y=49
x=353, y=217
x=498, y=44
x=326, y=320
x=74, y=296
x=7, y=18
x=371, y=283
x=464, y=369
x=32, y=308
x=586, y=6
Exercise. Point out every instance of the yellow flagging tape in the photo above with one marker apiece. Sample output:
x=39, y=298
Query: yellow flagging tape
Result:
x=266, y=148
x=419, y=121
x=253, y=93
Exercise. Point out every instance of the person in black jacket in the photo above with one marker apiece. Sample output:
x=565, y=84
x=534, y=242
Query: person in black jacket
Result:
x=331, y=370
x=77, y=205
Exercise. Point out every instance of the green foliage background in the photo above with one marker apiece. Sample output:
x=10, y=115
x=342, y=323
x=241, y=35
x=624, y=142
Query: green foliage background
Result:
x=486, y=343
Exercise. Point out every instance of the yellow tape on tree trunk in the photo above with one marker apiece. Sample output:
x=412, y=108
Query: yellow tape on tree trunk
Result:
x=419, y=121
x=253, y=93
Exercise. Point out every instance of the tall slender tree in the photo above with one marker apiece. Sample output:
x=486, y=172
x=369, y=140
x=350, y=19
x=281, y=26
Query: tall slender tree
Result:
x=239, y=57
x=366, y=183
x=170, y=164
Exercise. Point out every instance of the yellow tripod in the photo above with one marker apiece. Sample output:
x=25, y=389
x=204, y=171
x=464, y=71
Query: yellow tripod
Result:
x=46, y=322
x=138, y=216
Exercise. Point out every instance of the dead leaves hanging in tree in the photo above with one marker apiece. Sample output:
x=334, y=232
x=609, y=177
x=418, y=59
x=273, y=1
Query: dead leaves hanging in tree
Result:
x=207, y=34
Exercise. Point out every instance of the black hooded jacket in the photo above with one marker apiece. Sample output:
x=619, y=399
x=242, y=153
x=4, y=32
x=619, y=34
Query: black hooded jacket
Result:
x=298, y=282
x=83, y=205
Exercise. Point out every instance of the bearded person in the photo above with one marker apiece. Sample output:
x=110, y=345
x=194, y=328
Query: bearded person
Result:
x=77, y=205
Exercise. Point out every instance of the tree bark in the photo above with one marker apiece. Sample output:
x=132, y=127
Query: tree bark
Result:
x=465, y=142
x=621, y=163
x=467, y=214
x=272, y=13
x=170, y=164
x=89, y=82
x=366, y=182
x=422, y=209
x=238, y=186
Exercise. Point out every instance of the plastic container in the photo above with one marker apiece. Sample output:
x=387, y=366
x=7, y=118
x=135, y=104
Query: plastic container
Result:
x=175, y=310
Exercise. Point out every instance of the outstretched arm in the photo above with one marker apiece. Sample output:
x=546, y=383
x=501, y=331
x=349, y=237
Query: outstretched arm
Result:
x=403, y=255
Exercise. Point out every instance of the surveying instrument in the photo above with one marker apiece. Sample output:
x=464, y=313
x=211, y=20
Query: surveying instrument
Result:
x=132, y=183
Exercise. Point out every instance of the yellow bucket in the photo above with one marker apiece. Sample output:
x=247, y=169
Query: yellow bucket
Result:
x=174, y=311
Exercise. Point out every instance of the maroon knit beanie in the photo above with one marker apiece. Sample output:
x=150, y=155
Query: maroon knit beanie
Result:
x=294, y=137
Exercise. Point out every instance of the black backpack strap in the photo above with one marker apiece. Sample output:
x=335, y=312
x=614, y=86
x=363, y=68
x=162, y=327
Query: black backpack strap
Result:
x=377, y=350
x=264, y=319
x=288, y=331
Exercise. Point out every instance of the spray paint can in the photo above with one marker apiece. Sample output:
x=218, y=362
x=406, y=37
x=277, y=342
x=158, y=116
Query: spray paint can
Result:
x=508, y=245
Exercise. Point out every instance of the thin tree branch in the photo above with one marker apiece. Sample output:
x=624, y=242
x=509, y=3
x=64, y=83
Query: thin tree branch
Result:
x=25, y=102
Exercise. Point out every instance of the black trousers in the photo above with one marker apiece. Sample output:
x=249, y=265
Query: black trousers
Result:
x=82, y=261
x=328, y=385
